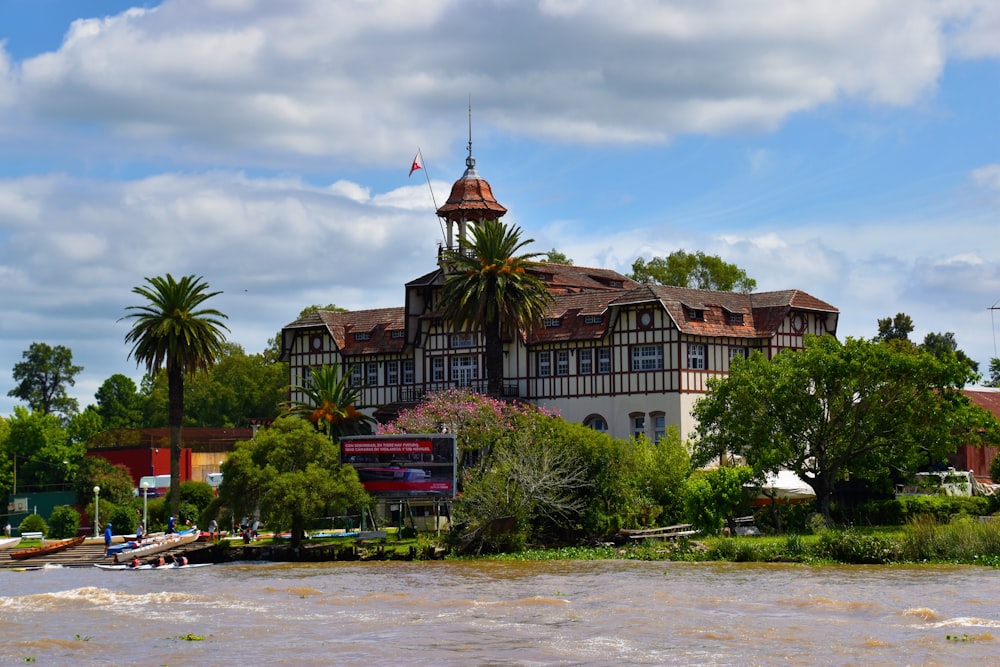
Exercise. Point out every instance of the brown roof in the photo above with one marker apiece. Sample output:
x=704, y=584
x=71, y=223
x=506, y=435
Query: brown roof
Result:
x=568, y=278
x=470, y=194
x=379, y=323
x=987, y=398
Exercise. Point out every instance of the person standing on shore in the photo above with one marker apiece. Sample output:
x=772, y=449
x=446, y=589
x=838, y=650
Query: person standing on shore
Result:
x=171, y=524
x=213, y=528
x=107, y=538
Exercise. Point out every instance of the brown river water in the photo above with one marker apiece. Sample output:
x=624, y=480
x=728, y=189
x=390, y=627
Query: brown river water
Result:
x=493, y=613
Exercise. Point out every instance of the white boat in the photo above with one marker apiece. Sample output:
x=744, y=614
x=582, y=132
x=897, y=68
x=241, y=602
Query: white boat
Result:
x=9, y=543
x=165, y=543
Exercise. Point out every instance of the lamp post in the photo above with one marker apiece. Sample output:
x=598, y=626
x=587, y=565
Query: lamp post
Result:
x=145, y=506
x=97, y=511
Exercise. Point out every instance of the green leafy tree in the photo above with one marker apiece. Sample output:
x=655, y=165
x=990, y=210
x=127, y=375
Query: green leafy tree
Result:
x=895, y=328
x=119, y=403
x=698, y=270
x=42, y=379
x=328, y=403
x=555, y=257
x=64, y=522
x=236, y=390
x=994, y=379
x=114, y=480
x=943, y=344
x=44, y=453
x=85, y=425
x=175, y=330
x=292, y=474
x=714, y=497
x=860, y=406
x=487, y=287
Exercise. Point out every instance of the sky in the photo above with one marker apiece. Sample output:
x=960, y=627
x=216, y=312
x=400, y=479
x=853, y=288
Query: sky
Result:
x=846, y=149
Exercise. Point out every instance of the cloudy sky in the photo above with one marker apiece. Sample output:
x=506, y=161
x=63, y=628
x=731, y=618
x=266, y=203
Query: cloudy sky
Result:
x=847, y=149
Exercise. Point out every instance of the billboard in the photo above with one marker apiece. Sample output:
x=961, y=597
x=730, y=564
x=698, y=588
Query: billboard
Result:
x=403, y=466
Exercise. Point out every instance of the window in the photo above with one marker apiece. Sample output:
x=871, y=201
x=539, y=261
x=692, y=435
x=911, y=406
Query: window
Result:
x=398, y=333
x=463, y=370
x=696, y=314
x=562, y=362
x=603, y=360
x=736, y=318
x=696, y=355
x=552, y=322
x=593, y=319
x=738, y=352
x=463, y=340
x=647, y=358
x=408, y=371
x=659, y=427
x=392, y=372
x=585, y=362
x=371, y=374
x=356, y=375
x=363, y=335
x=544, y=364
x=437, y=369
x=307, y=372
x=597, y=423
x=638, y=425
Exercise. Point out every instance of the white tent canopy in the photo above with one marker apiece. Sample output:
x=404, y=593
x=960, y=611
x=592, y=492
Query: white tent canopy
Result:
x=783, y=485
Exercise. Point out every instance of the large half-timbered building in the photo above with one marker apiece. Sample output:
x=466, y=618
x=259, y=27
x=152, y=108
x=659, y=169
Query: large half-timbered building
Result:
x=613, y=354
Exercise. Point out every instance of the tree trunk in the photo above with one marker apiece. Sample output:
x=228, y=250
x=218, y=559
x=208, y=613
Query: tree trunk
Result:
x=494, y=359
x=175, y=417
x=298, y=530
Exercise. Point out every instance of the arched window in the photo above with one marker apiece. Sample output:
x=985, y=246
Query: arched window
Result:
x=596, y=422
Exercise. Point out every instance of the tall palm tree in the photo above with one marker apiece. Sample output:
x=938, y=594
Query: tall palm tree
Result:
x=329, y=400
x=174, y=330
x=488, y=288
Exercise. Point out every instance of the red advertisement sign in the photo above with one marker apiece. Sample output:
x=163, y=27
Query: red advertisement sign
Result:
x=401, y=466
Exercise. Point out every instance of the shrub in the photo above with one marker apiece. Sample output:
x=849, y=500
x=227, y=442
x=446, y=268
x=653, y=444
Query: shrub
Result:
x=964, y=540
x=901, y=510
x=851, y=546
x=123, y=519
x=33, y=523
x=64, y=522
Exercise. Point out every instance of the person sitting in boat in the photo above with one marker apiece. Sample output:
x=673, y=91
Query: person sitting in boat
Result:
x=136, y=562
x=181, y=560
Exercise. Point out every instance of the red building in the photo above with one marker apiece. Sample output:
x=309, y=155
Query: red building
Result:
x=970, y=457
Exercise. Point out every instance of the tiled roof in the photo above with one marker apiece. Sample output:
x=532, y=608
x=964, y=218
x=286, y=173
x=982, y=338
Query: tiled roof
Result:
x=568, y=278
x=470, y=194
x=378, y=322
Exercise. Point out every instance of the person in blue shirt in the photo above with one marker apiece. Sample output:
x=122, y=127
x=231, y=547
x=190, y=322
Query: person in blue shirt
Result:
x=107, y=538
x=171, y=522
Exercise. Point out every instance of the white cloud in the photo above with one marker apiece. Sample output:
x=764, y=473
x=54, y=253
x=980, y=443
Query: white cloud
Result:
x=248, y=81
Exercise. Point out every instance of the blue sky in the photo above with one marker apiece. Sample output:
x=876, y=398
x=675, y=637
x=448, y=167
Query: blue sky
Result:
x=849, y=150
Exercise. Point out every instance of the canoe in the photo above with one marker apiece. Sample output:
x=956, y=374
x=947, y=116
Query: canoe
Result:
x=165, y=543
x=9, y=543
x=46, y=549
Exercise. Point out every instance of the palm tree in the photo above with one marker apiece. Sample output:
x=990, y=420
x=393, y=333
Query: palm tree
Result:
x=487, y=287
x=329, y=403
x=173, y=330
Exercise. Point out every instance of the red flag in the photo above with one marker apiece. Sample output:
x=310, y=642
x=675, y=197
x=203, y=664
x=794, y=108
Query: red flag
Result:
x=416, y=164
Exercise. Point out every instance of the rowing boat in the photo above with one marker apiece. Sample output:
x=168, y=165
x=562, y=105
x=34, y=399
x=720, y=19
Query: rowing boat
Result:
x=171, y=541
x=147, y=566
x=46, y=549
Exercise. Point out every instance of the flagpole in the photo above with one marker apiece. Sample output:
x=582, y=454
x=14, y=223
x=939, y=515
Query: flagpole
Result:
x=418, y=163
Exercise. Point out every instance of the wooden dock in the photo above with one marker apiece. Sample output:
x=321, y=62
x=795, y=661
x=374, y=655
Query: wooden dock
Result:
x=664, y=533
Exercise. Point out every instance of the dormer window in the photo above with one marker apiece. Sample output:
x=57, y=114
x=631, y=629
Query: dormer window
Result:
x=694, y=314
x=363, y=335
x=552, y=322
x=736, y=318
x=398, y=333
x=593, y=319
